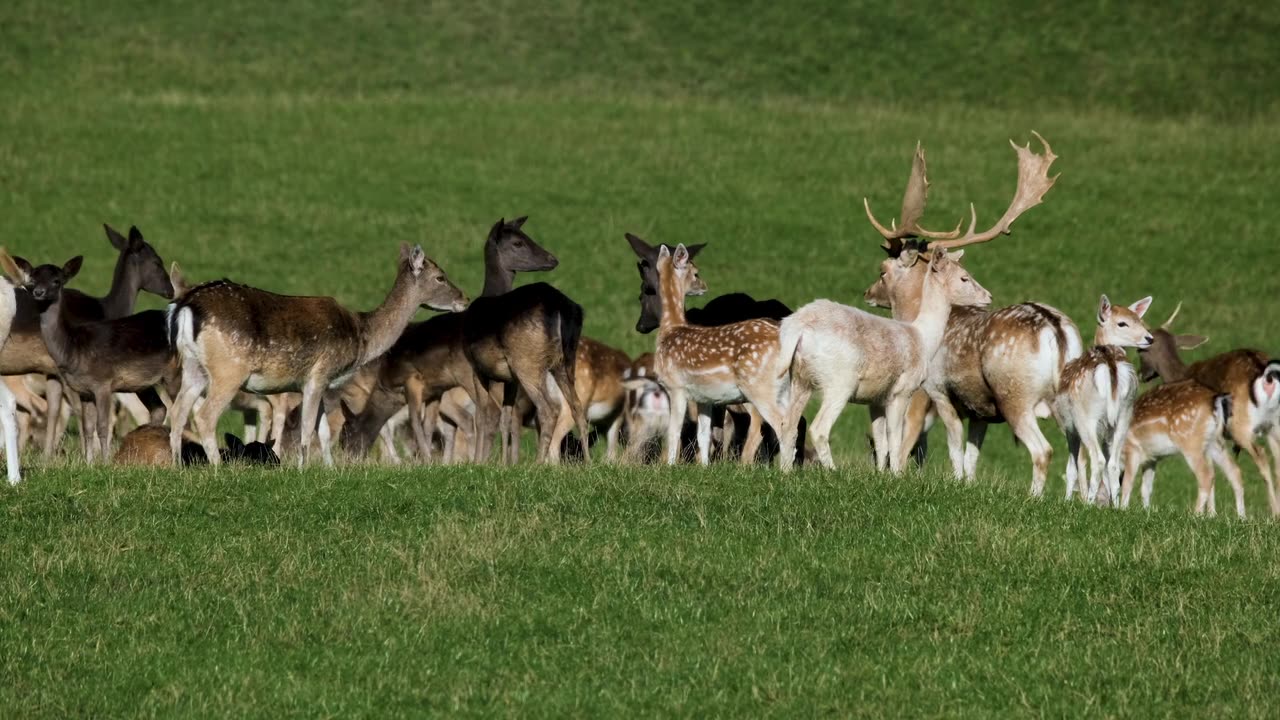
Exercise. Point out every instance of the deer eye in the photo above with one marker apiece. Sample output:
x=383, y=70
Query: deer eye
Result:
x=440, y=279
x=964, y=279
x=519, y=243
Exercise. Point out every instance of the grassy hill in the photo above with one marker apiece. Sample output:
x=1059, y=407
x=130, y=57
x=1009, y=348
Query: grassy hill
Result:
x=294, y=147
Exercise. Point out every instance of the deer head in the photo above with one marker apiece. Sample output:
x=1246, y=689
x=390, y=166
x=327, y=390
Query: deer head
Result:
x=1123, y=326
x=650, y=302
x=432, y=289
x=17, y=276
x=1160, y=359
x=906, y=242
x=678, y=274
x=45, y=282
x=253, y=453
x=140, y=261
x=514, y=251
x=956, y=284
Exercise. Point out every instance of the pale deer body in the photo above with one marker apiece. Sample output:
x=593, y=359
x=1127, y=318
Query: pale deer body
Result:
x=1095, y=403
x=993, y=366
x=850, y=355
x=233, y=337
x=8, y=402
x=1182, y=418
x=711, y=366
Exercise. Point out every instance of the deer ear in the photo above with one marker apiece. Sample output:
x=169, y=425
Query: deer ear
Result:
x=642, y=249
x=177, y=280
x=695, y=249
x=937, y=260
x=663, y=252
x=1104, y=309
x=519, y=222
x=271, y=444
x=117, y=240
x=956, y=255
x=234, y=444
x=1141, y=306
x=681, y=256
x=1189, y=342
x=72, y=267
x=908, y=257
x=498, y=228
x=135, y=236
x=417, y=259
x=17, y=269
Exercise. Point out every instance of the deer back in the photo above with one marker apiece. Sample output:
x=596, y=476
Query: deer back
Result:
x=535, y=322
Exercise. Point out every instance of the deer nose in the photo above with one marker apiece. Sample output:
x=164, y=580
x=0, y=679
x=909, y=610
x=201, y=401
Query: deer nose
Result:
x=38, y=293
x=1149, y=339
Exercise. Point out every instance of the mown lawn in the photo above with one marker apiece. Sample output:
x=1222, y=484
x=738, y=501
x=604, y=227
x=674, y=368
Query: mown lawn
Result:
x=293, y=146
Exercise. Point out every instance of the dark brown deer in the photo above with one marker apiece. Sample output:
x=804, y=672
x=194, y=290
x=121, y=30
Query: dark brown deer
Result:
x=994, y=366
x=232, y=337
x=98, y=358
x=519, y=340
x=431, y=357
x=1233, y=373
x=138, y=267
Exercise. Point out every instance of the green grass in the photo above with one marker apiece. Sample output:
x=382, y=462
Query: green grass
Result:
x=294, y=147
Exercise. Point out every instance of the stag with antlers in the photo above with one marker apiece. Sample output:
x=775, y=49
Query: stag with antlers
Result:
x=993, y=366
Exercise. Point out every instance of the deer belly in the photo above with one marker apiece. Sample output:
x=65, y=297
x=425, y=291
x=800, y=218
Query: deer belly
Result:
x=715, y=392
x=1159, y=444
x=598, y=411
x=266, y=384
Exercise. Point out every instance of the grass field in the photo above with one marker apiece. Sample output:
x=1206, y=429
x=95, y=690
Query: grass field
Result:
x=294, y=147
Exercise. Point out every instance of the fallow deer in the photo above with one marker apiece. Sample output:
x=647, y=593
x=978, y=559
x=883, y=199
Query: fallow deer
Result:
x=721, y=310
x=598, y=373
x=853, y=356
x=98, y=358
x=1235, y=374
x=994, y=366
x=1184, y=418
x=1095, y=403
x=232, y=336
x=646, y=410
x=138, y=267
x=432, y=357
x=742, y=362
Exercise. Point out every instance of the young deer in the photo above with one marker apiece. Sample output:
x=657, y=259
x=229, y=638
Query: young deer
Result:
x=1234, y=373
x=1184, y=418
x=854, y=356
x=598, y=372
x=138, y=267
x=716, y=365
x=99, y=358
x=231, y=337
x=994, y=366
x=1095, y=403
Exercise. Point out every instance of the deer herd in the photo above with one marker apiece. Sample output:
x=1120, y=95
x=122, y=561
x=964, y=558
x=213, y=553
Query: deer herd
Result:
x=733, y=377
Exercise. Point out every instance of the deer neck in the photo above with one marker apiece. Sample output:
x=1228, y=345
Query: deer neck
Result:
x=1102, y=338
x=384, y=325
x=906, y=302
x=123, y=295
x=672, y=297
x=53, y=330
x=497, y=279
x=931, y=317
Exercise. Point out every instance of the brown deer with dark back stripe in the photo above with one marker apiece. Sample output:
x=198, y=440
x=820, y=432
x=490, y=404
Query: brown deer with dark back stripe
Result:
x=232, y=337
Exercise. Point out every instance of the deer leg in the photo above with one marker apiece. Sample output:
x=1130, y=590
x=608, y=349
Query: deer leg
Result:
x=704, y=434
x=895, y=420
x=675, y=422
x=788, y=439
x=755, y=435
x=1088, y=434
x=563, y=424
x=879, y=437
x=9, y=425
x=833, y=401
x=1241, y=431
x=221, y=391
x=486, y=421
x=88, y=429
x=546, y=413
x=53, y=397
x=1203, y=471
x=1273, y=444
x=415, y=400
x=611, y=438
x=1027, y=430
x=1115, y=452
x=1220, y=458
x=560, y=375
x=153, y=405
x=194, y=382
x=914, y=436
x=102, y=401
x=1075, y=458
x=955, y=433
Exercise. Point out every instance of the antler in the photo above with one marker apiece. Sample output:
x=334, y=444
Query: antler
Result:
x=1033, y=183
x=913, y=202
x=1169, y=323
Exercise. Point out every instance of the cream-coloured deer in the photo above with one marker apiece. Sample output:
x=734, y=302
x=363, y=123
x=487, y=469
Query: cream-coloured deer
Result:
x=1095, y=403
x=13, y=277
x=741, y=362
x=1002, y=365
x=231, y=337
x=851, y=355
x=1187, y=418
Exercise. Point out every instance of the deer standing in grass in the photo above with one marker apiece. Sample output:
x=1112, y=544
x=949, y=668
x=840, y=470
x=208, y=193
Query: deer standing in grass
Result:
x=1188, y=418
x=853, y=356
x=13, y=276
x=994, y=366
x=232, y=337
x=598, y=372
x=138, y=267
x=741, y=362
x=1234, y=373
x=1095, y=404
x=99, y=358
